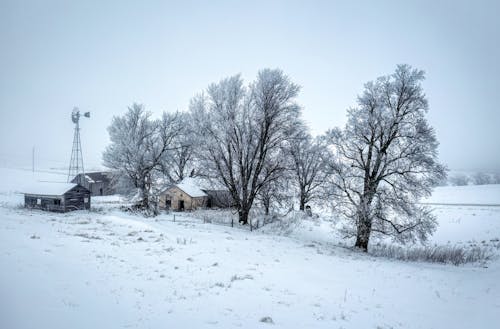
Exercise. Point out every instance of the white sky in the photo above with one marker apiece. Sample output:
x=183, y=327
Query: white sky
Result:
x=102, y=57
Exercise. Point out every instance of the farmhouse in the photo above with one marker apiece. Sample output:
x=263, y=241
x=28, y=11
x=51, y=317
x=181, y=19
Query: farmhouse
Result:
x=185, y=195
x=58, y=197
x=98, y=183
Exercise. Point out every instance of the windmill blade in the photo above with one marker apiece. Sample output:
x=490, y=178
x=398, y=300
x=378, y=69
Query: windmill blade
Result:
x=75, y=115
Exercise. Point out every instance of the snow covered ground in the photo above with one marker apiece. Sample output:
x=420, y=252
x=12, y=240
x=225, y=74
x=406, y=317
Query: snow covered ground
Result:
x=109, y=269
x=469, y=194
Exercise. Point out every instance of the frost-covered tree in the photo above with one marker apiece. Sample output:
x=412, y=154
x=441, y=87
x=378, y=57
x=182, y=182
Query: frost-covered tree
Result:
x=180, y=161
x=385, y=160
x=276, y=194
x=481, y=178
x=307, y=165
x=138, y=144
x=459, y=180
x=243, y=129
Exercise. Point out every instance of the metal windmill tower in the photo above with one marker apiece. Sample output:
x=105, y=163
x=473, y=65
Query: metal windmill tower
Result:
x=76, y=162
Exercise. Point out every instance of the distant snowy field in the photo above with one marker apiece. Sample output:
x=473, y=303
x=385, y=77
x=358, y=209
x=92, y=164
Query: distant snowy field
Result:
x=469, y=194
x=108, y=269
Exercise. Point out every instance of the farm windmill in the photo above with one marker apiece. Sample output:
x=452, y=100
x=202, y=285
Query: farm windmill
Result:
x=76, y=162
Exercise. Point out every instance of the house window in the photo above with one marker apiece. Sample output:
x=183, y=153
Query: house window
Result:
x=86, y=200
x=57, y=202
x=38, y=201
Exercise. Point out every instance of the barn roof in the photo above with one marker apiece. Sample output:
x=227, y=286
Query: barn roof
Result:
x=189, y=186
x=93, y=177
x=45, y=188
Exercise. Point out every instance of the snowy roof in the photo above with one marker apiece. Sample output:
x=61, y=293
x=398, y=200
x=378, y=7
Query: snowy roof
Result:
x=189, y=186
x=45, y=188
x=89, y=179
x=95, y=177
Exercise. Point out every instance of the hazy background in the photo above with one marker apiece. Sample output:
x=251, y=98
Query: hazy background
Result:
x=103, y=56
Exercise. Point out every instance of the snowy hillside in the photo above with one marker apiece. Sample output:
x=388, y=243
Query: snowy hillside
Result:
x=109, y=269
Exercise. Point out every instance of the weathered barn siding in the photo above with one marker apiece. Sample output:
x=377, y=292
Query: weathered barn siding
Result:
x=48, y=202
x=76, y=198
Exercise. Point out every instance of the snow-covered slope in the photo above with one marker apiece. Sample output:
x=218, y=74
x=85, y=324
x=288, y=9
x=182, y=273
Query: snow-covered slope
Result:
x=108, y=269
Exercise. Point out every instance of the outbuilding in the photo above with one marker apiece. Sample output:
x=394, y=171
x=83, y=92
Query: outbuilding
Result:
x=98, y=183
x=188, y=195
x=58, y=197
x=185, y=195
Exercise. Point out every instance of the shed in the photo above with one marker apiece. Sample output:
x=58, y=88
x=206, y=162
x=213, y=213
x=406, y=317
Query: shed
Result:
x=98, y=183
x=58, y=197
x=185, y=195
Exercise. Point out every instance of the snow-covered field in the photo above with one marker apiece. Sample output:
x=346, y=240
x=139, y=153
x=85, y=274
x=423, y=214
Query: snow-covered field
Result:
x=469, y=194
x=109, y=269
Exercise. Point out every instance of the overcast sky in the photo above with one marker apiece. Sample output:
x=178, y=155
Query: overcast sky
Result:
x=104, y=55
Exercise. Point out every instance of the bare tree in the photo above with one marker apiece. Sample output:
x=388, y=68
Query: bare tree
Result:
x=307, y=165
x=459, y=180
x=243, y=128
x=385, y=160
x=138, y=144
x=481, y=178
x=496, y=178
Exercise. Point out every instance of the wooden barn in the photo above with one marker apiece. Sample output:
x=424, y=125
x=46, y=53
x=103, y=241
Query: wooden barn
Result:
x=58, y=197
x=183, y=196
x=98, y=183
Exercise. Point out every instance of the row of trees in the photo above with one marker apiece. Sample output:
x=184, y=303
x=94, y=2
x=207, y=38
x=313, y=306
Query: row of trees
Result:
x=479, y=178
x=251, y=140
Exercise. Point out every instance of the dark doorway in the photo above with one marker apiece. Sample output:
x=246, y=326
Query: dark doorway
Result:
x=181, y=205
x=100, y=191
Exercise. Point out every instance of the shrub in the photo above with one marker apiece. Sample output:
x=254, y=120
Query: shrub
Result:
x=285, y=225
x=481, y=178
x=459, y=180
x=446, y=254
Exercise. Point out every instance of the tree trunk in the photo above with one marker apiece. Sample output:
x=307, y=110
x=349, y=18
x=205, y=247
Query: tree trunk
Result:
x=145, y=197
x=363, y=234
x=266, y=206
x=145, y=190
x=243, y=216
x=302, y=204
